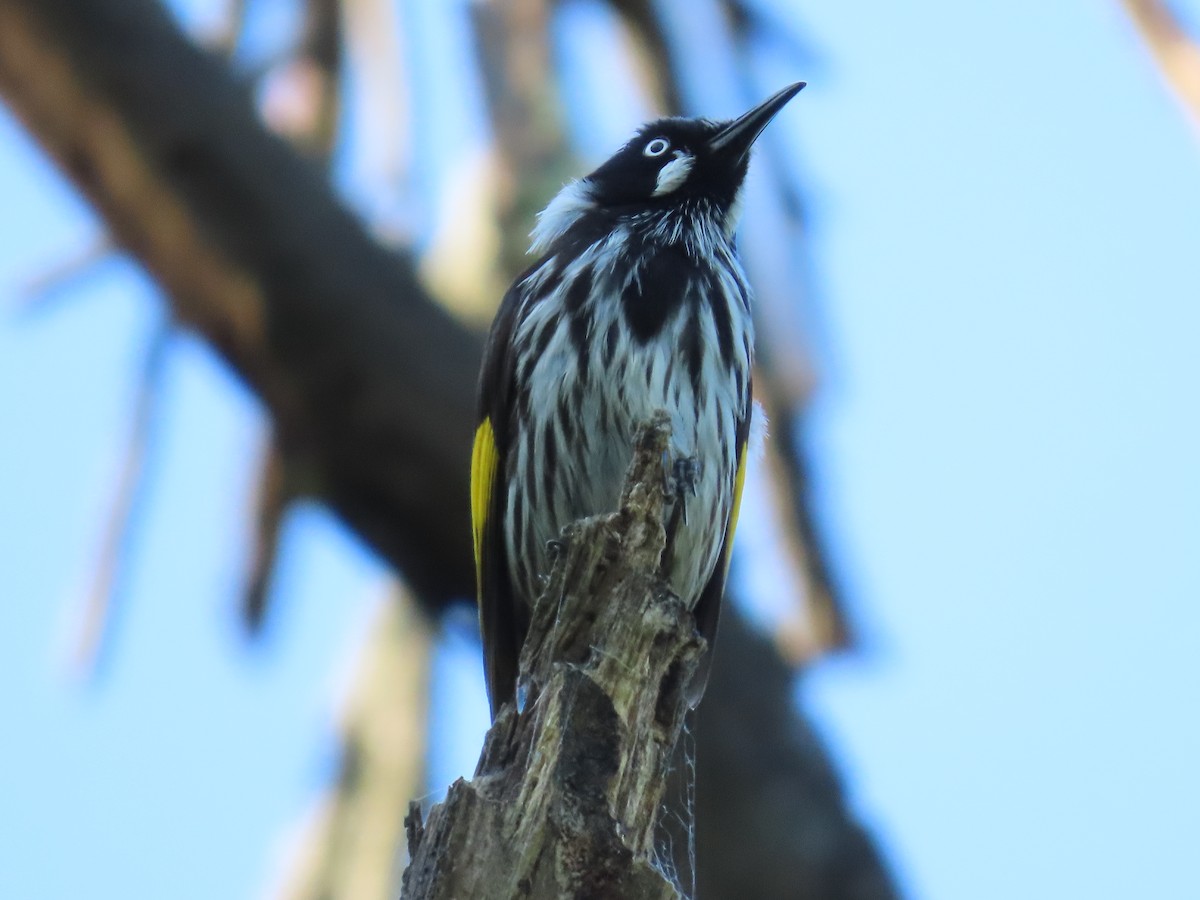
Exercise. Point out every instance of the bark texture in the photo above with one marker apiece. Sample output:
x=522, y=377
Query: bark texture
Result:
x=566, y=796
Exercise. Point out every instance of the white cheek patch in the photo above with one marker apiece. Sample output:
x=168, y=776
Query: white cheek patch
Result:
x=673, y=174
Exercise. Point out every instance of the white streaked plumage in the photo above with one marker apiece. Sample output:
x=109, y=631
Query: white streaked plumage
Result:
x=593, y=449
x=637, y=304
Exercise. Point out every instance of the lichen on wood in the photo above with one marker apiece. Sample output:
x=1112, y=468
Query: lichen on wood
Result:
x=567, y=792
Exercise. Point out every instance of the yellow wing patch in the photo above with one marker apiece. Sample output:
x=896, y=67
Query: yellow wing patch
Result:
x=738, y=483
x=484, y=457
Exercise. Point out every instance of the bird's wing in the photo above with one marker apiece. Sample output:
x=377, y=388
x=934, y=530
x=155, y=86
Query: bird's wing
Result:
x=708, y=606
x=502, y=622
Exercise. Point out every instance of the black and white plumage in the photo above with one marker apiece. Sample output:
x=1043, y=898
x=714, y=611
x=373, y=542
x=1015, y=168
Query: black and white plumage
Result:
x=637, y=303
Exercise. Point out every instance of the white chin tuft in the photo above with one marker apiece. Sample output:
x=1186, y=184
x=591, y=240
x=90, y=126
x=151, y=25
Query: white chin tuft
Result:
x=734, y=215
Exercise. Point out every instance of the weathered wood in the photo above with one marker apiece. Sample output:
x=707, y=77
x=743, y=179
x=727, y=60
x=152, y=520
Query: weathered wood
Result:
x=567, y=793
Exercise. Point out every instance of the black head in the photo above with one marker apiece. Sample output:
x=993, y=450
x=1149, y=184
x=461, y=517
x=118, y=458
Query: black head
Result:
x=669, y=164
x=672, y=160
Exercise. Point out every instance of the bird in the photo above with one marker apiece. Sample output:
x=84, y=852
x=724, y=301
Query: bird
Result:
x=637, y=302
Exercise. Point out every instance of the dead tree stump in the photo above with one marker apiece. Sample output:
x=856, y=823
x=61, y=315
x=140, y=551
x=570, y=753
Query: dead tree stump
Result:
x=567, y=792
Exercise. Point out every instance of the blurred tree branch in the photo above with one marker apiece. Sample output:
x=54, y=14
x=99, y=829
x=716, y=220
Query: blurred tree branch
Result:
x=351, y=848
x=101, y=606
x=89, y=649
x=776, y=796
x=533, y=159
x=311, y=127
x=1174, y=51
x=369, y=384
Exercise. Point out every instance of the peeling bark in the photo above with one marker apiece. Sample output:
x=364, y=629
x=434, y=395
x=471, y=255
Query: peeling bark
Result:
x=566, y=797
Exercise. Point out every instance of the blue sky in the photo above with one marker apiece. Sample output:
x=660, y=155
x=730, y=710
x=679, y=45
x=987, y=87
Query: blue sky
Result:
x=1005, y=214
x=1008, y=226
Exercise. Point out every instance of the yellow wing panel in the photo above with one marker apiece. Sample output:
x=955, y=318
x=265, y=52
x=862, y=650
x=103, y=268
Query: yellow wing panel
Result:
x=484, y=458
x=738, y=483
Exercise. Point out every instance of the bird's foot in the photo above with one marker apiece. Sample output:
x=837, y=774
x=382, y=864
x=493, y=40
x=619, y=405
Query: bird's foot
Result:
x=682, y=482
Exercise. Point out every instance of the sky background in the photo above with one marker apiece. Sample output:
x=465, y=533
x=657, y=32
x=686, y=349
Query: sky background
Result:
x=1005, y=224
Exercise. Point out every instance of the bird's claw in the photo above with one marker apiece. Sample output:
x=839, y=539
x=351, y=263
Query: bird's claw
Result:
x=683, y=481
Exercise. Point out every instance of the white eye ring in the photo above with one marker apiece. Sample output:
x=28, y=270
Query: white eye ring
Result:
x=657, y=147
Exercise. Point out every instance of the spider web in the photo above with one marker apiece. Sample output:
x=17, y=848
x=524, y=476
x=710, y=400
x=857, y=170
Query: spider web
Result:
x=675, y=831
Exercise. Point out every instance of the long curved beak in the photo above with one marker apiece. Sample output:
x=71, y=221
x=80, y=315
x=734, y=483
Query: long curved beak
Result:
x=735, y=139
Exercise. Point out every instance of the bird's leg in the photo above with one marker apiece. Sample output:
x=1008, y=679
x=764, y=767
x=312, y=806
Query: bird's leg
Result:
x=684, y=478
x=555, y=549
x=682, y=482
x=679, y=484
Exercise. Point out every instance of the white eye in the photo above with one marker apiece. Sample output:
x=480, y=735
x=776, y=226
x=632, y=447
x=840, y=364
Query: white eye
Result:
x=657, y=147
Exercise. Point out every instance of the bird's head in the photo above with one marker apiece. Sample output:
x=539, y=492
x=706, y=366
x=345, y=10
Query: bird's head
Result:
x=669, y=163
